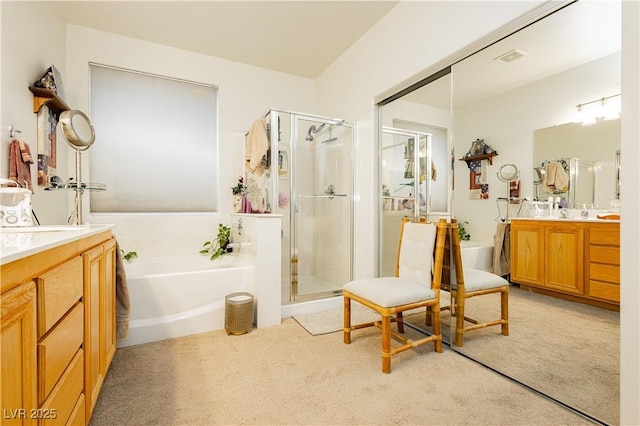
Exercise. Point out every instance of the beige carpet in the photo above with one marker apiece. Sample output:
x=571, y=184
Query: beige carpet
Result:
x=282, y=375
x=566, y=350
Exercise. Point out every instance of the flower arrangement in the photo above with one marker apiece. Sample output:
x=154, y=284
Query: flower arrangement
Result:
x=240, y=187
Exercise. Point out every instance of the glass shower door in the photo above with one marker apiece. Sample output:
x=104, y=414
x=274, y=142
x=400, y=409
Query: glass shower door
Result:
x=321, y=208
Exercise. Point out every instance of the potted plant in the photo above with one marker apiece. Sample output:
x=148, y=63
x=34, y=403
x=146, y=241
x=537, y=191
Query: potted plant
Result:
x=462, y=231
x=238, y=191
x=220, y=244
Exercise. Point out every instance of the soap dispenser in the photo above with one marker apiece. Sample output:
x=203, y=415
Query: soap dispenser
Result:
x=584, y=213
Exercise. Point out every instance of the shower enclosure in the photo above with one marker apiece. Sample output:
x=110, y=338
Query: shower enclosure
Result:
x=414, y=182
x=308, y=179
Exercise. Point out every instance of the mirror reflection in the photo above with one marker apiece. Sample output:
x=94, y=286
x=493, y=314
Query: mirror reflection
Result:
x=563, y=346
x=586, y=155
x=414, y=176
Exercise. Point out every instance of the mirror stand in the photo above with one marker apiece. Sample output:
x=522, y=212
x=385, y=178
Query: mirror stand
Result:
x=79, y=133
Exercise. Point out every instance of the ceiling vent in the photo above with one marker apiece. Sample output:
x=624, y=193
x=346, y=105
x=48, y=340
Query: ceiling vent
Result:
x=510, y=56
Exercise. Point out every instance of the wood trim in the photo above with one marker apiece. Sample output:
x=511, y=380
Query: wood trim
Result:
x=17, y=272
x=572, y=298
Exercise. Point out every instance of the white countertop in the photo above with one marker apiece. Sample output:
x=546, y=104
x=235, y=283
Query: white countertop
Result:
x=17, y=243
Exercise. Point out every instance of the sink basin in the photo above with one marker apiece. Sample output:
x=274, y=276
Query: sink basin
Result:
x=46, y=228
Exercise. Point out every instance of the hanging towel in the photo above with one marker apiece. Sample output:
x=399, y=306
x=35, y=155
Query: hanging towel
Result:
x=20, y=161
x=257, y=146
x=556, y=178
x=123, y=304
x=501, y=263
x=484, y=172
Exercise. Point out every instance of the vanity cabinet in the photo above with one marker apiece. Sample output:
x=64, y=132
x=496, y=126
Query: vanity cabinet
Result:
x=99, y=327
x=603, y=261
x=573, y=259
x=58, y=331
x=18, y=355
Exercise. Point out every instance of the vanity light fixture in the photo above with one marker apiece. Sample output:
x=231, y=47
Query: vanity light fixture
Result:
x=607, y=107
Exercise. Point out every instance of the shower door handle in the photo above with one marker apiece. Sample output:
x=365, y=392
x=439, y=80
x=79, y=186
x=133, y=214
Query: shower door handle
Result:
x=322, y=196
x=329, y=193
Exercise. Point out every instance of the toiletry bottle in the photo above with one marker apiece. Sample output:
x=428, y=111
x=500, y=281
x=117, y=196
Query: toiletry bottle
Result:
x=584, y=213
x=550, y=205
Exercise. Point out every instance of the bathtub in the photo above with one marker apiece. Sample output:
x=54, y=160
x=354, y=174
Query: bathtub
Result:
x=181, y=295
x=477, y=255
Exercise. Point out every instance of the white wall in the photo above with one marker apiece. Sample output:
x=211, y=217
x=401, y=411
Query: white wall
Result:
x=506, y=122
x=33, y=38
x=244, y=93
x=630, y=224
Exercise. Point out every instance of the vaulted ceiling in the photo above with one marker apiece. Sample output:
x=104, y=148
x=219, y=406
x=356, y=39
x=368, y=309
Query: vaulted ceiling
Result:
x=295, y=37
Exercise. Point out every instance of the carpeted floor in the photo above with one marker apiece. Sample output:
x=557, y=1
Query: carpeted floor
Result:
x=282, y=375
x=566, y=350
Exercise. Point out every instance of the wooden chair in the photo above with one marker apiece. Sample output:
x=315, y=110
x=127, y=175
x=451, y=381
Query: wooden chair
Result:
x=467, y=283
x=412, y=287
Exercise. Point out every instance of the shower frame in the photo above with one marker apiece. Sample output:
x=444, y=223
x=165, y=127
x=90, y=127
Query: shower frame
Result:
x=280, y=142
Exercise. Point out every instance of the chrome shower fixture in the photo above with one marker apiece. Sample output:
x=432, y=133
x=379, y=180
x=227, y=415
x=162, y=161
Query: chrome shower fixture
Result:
x=312, y=130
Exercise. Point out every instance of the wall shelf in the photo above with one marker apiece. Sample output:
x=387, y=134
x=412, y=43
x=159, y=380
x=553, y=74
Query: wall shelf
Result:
x=47, y=97
x=479, y=157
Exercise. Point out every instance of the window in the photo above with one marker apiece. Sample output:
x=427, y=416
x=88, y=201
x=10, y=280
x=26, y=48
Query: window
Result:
x=156, y=143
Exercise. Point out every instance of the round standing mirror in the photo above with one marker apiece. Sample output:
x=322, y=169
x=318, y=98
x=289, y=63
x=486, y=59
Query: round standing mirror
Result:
x=77, y=129
x=508, y=173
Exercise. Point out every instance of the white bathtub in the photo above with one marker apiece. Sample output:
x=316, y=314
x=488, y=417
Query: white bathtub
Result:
x=477, y=255
x=181, y=295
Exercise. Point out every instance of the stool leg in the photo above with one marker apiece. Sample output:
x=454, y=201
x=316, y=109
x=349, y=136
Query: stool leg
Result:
x=386, y=344
x=504, y=309
x=400, y=322
x=347, y=320
x=459, y=321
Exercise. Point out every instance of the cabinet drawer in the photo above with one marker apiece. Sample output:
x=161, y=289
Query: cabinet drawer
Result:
x=605, y=234
x=57, y=349
x=606, y=291
x=58, y=290
x=77, y=415
x=604, y=254
x=64, y=397
x=609, y=273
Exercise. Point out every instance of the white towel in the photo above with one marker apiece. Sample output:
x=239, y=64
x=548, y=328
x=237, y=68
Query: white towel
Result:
x=257, y=146
x=484, y=172
x=501, y=257
x=556, y=179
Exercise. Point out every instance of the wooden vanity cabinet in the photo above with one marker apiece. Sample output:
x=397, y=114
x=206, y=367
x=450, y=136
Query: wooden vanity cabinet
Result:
x=58, y=331
x=99, y=327
x=527, y=253
x=575, y=260
x=18, y=355
x=564, y=257
x=603, y=262
x=548, y=255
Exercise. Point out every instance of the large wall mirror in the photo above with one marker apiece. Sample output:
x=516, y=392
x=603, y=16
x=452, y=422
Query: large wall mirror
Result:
x=525, y=109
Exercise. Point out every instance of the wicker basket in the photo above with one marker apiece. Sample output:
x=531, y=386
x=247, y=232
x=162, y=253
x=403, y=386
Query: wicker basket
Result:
x=238, y=313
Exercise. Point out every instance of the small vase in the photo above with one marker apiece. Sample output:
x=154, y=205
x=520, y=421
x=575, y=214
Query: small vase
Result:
x=237, y=203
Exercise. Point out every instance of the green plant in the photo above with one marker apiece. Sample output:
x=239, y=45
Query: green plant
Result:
x=240, y=187
x=129, y=255
x=462, y=231
x=219, y=245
